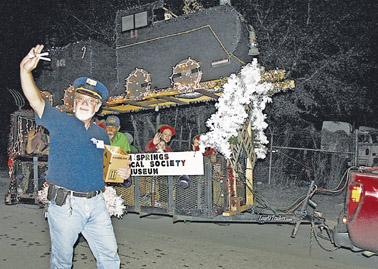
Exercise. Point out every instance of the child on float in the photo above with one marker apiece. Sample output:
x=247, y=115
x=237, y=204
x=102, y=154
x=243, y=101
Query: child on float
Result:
x=195, y=146
x=161, y=146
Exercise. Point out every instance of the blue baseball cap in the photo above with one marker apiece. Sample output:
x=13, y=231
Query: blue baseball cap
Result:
x=112, y=121
x=91, y=87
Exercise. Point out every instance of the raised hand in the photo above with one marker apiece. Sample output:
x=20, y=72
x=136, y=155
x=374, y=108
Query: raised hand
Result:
x=32, y=133
x=157, y=138
x=30, y=61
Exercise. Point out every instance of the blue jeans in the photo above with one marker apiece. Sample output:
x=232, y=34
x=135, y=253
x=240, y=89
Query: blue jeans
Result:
x=89, y=217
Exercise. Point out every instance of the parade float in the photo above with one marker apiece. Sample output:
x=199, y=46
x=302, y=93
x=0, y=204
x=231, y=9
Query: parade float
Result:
x=208, y=56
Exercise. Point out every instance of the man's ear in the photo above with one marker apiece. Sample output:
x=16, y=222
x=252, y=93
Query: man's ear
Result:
x=118, y=127
x=98, y=106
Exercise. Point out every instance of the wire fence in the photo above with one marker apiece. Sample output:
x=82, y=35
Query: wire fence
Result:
x=297, y=158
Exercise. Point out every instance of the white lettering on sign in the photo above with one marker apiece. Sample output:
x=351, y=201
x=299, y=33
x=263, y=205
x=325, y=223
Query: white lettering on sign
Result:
x=166, y=164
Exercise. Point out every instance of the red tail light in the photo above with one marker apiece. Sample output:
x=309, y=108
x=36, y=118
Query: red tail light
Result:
x=354, y=196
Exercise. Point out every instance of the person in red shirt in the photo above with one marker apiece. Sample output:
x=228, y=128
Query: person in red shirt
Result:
x=164, y=132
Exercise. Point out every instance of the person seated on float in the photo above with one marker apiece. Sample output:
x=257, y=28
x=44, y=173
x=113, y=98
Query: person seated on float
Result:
x=196, y=142
x=38, y=141
x=161, y=146
x=100, y=123
x=133, y=149
x=112, y=126
x=195, y=145
x=165, y=132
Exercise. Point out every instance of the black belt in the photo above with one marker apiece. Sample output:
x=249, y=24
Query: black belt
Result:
x=86, y=194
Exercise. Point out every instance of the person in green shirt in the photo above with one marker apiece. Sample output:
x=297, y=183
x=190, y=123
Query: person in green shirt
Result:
x=112, y=126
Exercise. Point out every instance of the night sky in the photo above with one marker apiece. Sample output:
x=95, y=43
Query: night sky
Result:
x=29, y=22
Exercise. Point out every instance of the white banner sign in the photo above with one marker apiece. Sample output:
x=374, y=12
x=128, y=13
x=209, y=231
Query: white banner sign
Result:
x=166, y=164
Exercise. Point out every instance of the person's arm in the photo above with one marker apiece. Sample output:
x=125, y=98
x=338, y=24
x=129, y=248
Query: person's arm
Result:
x=31, y=92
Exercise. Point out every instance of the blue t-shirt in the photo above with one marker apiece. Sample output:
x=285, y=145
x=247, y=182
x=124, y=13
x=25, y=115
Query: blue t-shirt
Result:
x=74, y=161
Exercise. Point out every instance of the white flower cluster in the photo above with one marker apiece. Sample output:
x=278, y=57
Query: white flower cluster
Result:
x=240, y=90
x=114, y=203
x=42, y=194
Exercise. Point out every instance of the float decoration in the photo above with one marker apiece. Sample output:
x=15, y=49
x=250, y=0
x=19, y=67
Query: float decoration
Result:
x=47, y=96
x=114, y=203
x=191, y=6
x=186, y=76
x=68, y=100
x=244, y=97
x=138, y=84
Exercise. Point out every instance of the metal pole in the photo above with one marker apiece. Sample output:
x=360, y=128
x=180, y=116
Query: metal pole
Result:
x=35, y=177
x=208, y=187
x=356, y=150
x=303, y=210
x=137, y=193
x=170, y=195
x=157, y=116
x=320, y=150
x=270, y=157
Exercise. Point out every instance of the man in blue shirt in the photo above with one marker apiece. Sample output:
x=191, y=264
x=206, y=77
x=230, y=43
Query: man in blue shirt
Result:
x=75, y=170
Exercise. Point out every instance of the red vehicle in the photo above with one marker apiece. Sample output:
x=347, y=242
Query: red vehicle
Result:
x=358, y=227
